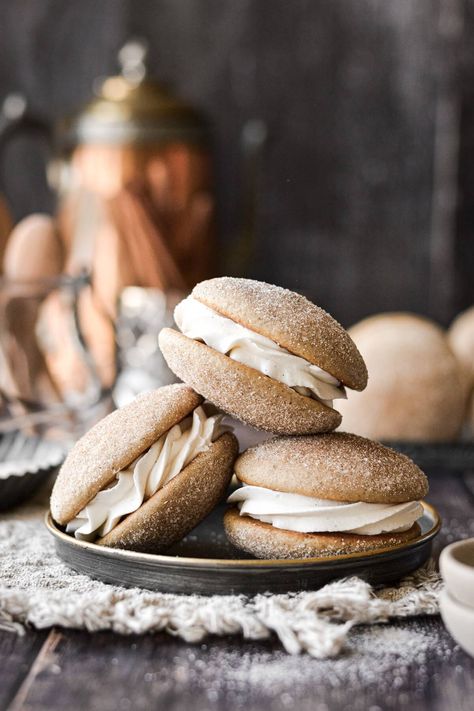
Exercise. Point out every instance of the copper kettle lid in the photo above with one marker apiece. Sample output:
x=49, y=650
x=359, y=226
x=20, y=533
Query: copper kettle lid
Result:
x=130, y=108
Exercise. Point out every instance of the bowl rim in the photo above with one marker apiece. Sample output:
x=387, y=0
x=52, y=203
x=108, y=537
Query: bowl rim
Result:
x=448, y=558
x=446, y=597
x=458, y=619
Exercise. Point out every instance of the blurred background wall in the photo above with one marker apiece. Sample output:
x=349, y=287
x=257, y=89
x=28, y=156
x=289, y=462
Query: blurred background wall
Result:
x=365, y=197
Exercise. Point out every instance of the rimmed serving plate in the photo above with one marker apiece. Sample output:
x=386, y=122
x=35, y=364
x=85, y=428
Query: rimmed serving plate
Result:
x=205, y=563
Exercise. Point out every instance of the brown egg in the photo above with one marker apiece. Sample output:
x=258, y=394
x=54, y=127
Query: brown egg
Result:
x=34, y=250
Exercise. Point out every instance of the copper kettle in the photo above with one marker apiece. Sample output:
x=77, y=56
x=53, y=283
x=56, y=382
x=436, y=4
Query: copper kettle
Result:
x=135, y=207
x=133, y=174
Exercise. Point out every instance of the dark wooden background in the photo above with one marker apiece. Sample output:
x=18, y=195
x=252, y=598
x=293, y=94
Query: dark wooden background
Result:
x=366, y=190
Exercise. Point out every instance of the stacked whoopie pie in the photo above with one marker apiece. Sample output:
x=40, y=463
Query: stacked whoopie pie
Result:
x=147, y=474
x=321, y=495
x=263, y=354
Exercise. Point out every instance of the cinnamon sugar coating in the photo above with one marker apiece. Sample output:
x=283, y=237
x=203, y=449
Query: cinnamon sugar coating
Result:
x=181, y=504
x=114, y=443
x=336, y=466
x=243, y=392
x=290, y=320
x=262, y=540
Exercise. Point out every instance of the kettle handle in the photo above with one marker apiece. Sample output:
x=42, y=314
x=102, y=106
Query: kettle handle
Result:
x=16, y=119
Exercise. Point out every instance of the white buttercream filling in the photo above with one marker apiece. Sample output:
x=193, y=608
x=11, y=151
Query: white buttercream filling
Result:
x=197, y=321
x=173, y=451
x=305, y=514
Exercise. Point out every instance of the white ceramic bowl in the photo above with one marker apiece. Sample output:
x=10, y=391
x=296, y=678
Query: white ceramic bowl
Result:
x=457, y=568
x=459, y=620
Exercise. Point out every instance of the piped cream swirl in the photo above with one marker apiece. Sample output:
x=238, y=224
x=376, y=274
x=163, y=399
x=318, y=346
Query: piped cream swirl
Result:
x=199, y=322
x=173, y=451
x=305, y=514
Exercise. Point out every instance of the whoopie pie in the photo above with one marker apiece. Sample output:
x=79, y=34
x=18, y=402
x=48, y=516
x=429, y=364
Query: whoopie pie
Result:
x=263, y=354
x=417, y=390
x=146, y=474
x=323, y=495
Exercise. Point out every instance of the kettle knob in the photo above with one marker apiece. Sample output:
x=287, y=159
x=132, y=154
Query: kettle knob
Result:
x=132, y=60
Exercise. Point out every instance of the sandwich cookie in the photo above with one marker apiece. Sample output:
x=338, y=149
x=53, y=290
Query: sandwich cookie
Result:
x=461, y=340
x=147, y=474
x=416, y=390
x=263, y=354
x=326, y=495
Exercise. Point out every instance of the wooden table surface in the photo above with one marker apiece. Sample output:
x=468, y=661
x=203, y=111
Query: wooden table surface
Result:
x=420, y=667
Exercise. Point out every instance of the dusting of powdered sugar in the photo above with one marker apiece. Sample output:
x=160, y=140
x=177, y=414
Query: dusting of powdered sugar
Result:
x=379, y=660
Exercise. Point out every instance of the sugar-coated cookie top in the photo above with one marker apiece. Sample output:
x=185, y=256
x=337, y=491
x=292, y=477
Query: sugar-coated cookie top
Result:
x=336, y=466
x=290, y=320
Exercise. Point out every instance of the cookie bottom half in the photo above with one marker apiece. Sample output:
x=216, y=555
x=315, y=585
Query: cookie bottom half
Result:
x=264, y=541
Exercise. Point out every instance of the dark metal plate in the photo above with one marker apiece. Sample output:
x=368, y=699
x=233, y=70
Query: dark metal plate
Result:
x=205, y=563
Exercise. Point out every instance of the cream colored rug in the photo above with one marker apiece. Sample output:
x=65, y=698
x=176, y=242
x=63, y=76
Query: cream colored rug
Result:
x=37, y=589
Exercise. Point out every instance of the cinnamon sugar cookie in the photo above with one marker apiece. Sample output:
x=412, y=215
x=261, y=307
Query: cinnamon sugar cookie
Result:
x=461, y=340
x=145, y=475
x=323, y=495
x=264, y=354
x=416, y=392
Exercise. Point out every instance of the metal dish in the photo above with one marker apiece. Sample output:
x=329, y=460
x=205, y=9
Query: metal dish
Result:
x=25, y=463
x=205, y=563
